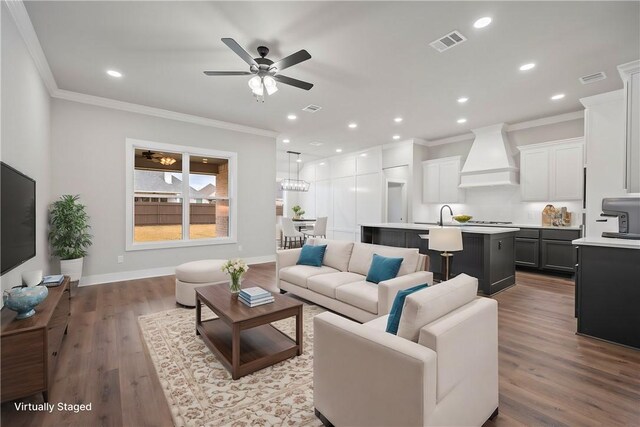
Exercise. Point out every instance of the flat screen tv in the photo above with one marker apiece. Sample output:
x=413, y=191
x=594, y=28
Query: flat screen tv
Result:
x=17, y=217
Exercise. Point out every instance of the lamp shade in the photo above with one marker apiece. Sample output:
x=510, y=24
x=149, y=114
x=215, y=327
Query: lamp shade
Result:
x=447, y=239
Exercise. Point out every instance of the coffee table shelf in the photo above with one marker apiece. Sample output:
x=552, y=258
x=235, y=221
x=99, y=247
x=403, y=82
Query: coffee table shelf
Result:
x=242, y=337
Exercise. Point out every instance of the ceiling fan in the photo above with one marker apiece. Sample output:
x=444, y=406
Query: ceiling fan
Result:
x=158, y=158
x=266, y=72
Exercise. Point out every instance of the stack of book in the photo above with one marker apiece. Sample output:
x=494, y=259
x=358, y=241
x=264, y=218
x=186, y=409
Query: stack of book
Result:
x=53, y=280
x=255, y=296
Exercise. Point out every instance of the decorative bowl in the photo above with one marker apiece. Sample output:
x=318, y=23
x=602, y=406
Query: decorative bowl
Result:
x=23, y=300
x=462, y=218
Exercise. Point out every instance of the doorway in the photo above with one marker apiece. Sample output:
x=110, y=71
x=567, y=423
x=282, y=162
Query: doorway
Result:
x=396, y=197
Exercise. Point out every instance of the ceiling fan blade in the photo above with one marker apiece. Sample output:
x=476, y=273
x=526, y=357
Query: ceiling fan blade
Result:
x=227, y=73
x=293, y=59
x=293, y=82
x=234, y=46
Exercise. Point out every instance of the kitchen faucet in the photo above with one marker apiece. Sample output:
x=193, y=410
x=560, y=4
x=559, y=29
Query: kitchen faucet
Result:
x=440, y=223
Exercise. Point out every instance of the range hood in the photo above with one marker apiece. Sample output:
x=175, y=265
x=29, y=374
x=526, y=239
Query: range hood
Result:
x=490, y=161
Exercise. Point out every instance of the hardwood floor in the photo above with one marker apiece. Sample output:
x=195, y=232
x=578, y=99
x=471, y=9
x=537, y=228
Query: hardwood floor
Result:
x=548, y=375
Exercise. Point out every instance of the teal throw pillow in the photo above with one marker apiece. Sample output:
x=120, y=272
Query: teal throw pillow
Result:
x=383, y=268
x=396, y=309
x=312, y=255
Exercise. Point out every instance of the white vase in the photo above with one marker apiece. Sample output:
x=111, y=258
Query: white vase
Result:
x=71, y=268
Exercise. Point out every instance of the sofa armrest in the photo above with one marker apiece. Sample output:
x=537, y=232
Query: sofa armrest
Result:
x=363, y=376
x=286, y=258
x=388, y=289
x=473, y=327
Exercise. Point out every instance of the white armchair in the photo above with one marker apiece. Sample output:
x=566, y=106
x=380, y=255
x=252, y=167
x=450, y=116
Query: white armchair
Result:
x=364, y=376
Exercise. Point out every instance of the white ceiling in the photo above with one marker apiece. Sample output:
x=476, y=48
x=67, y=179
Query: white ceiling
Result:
x=371, y=61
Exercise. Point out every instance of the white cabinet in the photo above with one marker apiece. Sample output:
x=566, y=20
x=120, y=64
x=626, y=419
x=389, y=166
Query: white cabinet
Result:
x=441, y=180
x=630, y=74
x=534, y=174
x=552, y=170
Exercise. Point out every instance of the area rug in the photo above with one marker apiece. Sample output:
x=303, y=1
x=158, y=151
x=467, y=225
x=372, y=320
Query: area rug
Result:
x=200, y=390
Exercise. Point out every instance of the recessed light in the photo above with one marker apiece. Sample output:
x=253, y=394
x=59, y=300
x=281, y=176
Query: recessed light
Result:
x=299, y=160
x=463, y=120
x=353, y=125
x=398, y=119
x=482, y=22
x=285, y=141
x=316, y=143
x=338, y=150
x=527, y=67
x=363, y=155
x=557, y=97
x=322, y=163
x=462, y=99
x=396, y=137
x=292, y=117
x=114, y=73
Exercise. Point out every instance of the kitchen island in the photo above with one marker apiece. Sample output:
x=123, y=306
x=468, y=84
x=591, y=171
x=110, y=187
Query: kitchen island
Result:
x=488, y=252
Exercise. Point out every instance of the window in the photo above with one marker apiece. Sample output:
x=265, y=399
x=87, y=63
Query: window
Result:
x=179, y=196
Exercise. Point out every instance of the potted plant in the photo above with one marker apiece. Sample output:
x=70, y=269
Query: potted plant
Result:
x=297, y=212
x=69, y=234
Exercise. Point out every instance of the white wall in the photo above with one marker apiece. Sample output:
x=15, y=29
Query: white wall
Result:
x=503, y=203
x=88, y=154
x=24, y=142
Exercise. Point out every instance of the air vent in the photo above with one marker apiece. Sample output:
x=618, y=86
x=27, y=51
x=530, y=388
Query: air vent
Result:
x=447, y=42
x=312, y=108
x=591, y=78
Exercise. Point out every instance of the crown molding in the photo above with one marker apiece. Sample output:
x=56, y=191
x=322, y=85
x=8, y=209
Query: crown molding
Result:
x=157, y=112
x=566, y=117
x=20, y=16
x=603, y=98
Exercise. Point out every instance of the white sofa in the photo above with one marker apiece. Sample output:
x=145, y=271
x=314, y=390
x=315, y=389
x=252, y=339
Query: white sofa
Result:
x=440, y=370
x=340, y=283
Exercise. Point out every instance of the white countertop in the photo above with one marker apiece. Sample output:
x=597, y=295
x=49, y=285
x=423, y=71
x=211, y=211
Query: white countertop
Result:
x=546, y=227
x=608, y=242
x=464, y=229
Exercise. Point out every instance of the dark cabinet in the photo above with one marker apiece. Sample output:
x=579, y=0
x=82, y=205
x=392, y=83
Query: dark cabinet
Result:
x=558, y=255
x=607, y=294
x=546, y=249
x=527, y=252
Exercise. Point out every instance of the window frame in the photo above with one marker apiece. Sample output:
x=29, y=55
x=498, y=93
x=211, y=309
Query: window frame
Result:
x=186, y=152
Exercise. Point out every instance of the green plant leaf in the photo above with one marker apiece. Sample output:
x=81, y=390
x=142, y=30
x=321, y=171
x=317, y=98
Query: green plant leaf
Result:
x=69, y=228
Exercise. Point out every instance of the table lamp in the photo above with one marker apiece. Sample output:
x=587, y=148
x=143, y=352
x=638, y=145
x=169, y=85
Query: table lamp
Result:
x=445, y=239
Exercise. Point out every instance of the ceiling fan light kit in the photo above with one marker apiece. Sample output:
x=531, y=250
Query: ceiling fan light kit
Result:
x=290, y=184
x=265, y=71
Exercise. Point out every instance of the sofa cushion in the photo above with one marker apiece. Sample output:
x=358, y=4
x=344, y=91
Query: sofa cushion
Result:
x=427, y=305
x=298, y=274
x=326, y=284
x=383, y=268
x=337, y=254
x=312, y=255
x=363, y=254
x=398, y=305
x=363, y=295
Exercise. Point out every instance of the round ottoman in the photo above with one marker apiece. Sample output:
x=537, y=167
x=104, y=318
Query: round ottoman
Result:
x=192, y=275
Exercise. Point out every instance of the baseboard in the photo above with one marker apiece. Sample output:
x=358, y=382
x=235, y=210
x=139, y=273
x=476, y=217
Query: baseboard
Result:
x=121, y=276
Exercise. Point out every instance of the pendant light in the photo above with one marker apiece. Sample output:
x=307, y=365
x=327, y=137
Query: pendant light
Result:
x=297, y=184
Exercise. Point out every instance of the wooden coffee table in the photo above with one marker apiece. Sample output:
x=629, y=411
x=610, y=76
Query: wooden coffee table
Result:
x=242, y=336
